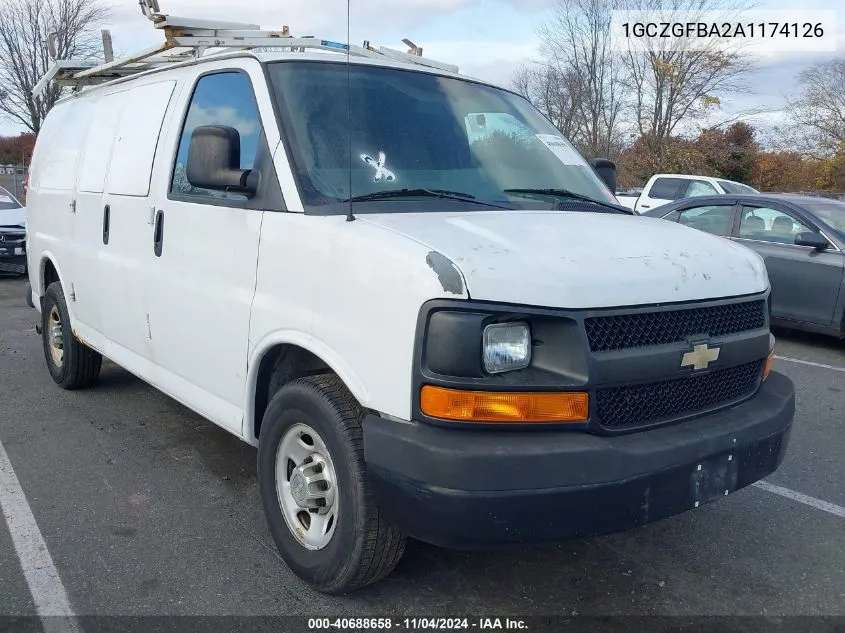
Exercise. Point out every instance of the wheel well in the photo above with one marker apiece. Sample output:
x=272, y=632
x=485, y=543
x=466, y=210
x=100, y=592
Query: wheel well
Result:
x=278, y=367
x=49, y=275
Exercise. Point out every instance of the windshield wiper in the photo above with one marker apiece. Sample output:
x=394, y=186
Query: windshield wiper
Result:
x=566, y=193
x=430, y=193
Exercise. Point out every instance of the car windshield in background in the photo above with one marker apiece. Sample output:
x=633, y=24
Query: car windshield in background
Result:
x=7, y=201
x=831, y=213
x=420, y=131
x=736, y=188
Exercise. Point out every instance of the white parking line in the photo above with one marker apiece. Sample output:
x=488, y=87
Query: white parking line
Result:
x=810, y=363
x=818, y=504
x=48, y=592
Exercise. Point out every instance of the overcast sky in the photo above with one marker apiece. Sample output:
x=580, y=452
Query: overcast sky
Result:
x=486, y=38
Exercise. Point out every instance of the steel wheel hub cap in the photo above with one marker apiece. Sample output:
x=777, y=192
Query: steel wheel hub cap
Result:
x=55, y=336
x=307, y=486
x=298, y=489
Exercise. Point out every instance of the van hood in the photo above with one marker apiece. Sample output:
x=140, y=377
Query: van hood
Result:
x=581, y=260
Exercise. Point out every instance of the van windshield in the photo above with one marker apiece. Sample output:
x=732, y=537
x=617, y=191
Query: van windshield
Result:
x=417, y=130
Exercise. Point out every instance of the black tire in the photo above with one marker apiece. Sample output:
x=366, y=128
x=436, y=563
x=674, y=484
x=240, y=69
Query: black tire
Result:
x=80, y=365
x=364, y=548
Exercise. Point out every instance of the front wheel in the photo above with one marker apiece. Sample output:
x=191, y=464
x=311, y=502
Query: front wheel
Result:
x=72, y=364
x=314, y=489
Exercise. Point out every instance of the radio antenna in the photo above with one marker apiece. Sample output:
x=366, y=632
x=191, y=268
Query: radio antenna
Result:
x=349, y=215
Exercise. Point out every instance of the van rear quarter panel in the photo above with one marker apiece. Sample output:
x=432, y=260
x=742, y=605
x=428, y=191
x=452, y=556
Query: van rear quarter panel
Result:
x=52, y=185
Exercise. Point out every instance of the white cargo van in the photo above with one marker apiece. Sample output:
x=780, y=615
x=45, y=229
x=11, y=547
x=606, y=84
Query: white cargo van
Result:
x=405, y=288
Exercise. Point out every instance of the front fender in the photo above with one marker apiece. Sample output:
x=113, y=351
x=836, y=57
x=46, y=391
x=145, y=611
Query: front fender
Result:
x=308, y=342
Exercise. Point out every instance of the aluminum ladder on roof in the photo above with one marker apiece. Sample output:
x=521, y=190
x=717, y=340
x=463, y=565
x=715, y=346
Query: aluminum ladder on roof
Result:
x=187, y=39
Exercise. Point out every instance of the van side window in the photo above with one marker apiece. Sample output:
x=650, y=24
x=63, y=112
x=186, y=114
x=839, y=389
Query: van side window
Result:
x=224, y=98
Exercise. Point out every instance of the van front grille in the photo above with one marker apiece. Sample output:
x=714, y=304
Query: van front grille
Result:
x=629, y=407
x=640, y=329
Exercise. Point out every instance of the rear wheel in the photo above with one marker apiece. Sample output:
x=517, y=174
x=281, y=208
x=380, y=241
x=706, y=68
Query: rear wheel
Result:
x=72, y=364
x=314, y=489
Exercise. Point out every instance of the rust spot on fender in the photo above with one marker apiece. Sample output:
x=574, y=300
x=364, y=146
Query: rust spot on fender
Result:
x=446, y=271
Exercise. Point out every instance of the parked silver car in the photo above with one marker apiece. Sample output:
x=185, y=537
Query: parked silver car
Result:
x=801, y=239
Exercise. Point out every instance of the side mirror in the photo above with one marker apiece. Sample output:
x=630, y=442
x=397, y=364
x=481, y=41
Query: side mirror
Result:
x=214, y=161
x=606, y=170
x=813, y=240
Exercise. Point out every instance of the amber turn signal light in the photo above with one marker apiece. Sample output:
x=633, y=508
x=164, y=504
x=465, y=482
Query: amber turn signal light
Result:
x=491, y=406
x=768, y=366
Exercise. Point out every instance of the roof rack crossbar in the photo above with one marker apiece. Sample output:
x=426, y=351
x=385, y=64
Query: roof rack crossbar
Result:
x=123, y=61
x=196, y=36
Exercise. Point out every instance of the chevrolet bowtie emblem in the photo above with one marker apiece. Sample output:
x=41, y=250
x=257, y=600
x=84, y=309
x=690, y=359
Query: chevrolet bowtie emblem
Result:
x=700, y=357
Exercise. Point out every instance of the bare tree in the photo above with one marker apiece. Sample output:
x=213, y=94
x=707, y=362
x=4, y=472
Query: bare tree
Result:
x=577, y=42
x=553, y=92
x=818, y=113
x=522, y=81
x=674, y=82
x=577, y=85
x=25, y=26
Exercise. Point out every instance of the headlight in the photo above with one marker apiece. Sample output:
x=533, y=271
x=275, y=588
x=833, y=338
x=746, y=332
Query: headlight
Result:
x=507, y=347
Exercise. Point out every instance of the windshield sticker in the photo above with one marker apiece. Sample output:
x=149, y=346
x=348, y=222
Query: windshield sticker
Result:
x=563, y=150
x=6, y=199
x=382, y=172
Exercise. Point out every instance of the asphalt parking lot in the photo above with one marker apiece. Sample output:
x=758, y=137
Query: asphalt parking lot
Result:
x=146, y=509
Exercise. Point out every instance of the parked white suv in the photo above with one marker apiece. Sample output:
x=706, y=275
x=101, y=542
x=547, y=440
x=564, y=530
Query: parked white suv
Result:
x=664, y=188
x=471, y=346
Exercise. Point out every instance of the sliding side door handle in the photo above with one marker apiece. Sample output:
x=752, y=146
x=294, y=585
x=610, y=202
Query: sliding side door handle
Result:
x=158, y=233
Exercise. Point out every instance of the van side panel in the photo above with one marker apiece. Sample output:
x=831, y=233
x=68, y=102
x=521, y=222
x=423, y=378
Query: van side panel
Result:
x=89, y=230
x=202, y=282
x=123, y=302
x=137, y=138
x=98, y=148
x=51, y=193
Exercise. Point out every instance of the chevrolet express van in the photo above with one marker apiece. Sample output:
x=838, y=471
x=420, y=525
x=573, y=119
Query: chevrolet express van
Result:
x=409, y=292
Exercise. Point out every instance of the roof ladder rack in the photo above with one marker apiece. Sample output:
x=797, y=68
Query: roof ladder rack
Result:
x=188, y=39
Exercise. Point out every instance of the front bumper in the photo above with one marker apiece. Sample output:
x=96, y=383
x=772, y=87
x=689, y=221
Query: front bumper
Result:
x=12, y=254
x=12, y=263
x=473, y=488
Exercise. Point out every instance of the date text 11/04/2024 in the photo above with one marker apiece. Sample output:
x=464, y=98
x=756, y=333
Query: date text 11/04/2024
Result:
x=413, y=624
